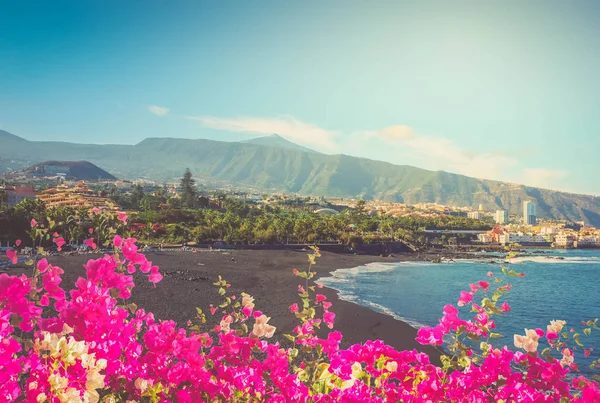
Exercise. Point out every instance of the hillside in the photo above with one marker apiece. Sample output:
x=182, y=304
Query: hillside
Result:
x=303, y=172
x=72, y=170
x=275, y=140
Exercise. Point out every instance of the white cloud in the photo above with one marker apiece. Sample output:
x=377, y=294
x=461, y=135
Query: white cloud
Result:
x=158, y=110
x=443, y=154
x=286, y=126
x=544, y=178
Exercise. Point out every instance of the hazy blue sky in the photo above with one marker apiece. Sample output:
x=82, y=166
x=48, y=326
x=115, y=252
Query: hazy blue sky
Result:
x=504, y=90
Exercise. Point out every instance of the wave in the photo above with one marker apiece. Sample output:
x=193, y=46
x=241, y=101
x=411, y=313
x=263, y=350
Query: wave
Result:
x=555, y=260
x=350, y=296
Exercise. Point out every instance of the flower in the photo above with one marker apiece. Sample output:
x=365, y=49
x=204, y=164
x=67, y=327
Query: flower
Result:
x=529, y=342
x=18, y=242
x=247, y=301
x=567, y=358
x=556, y=326
x=464, y=298
x=490, y=274
x=294, y=308
x=225, y=323
x=505, y=307
x=90, y=242
x=12, y=255
x=262, y=328
x=33, y=222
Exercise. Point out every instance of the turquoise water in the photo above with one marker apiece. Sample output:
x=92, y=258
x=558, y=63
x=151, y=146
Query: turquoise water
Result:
x=416, y=292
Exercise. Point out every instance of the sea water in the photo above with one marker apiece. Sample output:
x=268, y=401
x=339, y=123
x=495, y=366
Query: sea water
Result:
x=558, y=284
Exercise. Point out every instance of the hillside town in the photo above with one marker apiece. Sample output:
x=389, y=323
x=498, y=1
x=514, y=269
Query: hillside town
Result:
x=503, y=229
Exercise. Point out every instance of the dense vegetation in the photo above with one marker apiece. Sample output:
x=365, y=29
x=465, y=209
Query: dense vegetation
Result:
x=236, y=221
x=309, y=173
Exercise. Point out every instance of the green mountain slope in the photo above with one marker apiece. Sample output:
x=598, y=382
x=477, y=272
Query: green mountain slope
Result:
x=302, y=172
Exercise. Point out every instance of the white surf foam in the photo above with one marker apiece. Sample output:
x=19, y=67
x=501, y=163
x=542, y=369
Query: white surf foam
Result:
x=555, y=260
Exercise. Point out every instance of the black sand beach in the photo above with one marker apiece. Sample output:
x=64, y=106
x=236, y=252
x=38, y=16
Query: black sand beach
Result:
x=267, y=276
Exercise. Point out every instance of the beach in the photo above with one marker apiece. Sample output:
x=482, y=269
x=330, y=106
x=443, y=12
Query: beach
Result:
x=267, y=276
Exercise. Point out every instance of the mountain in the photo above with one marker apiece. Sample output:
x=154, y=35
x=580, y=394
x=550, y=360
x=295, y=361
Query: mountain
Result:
x=72, y=170
x=298, y=171
x=275, y=140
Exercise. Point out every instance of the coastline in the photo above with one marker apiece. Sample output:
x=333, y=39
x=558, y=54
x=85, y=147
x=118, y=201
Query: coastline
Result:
x=268, y=277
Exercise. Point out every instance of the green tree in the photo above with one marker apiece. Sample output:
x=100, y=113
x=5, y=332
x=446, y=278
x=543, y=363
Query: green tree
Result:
x=189, y=194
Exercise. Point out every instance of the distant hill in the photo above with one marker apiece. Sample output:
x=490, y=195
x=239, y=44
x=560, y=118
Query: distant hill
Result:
x=72, y=170
x=275, y=140
x=299, y=171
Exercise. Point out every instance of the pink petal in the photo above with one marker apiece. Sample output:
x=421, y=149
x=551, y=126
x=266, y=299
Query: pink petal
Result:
x=18, y=242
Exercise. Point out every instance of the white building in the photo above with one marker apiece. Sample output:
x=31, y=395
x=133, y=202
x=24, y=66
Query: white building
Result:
x=529, y=214
x=485, y=238
x=501, y=217
x=522, y=238
x=564, y=240
x=549, y=231
x=476, y=215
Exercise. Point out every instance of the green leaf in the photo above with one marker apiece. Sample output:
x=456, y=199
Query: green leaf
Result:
x=587, y=331
x=221, y=291
x=496, y=335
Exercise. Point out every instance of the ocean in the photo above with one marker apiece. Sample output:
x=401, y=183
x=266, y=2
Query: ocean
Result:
x=558, y=284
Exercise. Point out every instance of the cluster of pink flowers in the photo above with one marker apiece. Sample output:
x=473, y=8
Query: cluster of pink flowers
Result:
x=88, y=345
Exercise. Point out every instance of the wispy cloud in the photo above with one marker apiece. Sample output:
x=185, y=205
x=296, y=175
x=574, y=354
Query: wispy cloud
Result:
x=286, y=126
x=445, y=154
x=544, y=178
x=158, y=110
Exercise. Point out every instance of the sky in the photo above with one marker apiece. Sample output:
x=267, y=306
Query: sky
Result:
x=505, y=90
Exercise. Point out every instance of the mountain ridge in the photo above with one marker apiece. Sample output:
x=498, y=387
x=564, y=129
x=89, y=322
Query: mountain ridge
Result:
x=309, y=173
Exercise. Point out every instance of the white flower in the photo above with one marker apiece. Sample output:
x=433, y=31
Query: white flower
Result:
x=262, y=328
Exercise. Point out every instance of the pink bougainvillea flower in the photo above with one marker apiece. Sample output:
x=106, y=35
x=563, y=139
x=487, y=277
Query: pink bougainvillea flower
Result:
x=55, y=235
x=551, y=336
x=474, y=288
x=490, y=274
x=12, y=255
x=294, y=308
x=484, y=285
x=33, y=222
x=320, y=298
x=18, y=242
x=117, y=241
x=96, y=210
x=464, y=298
x=90, y=242
x=43, y=265
x=505, y=307
x=122, y=217
x=296, y=272
x=587, y=352
x=60, y=241
x=91, y=231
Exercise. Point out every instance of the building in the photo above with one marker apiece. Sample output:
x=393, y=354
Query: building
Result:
x=476, y=215
x=564, y=240
x=480, y=208
x=529, y=214
x=485, y=238
x=588, y=242
x=77, y=196
x=16, y=194
x=501, y=217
